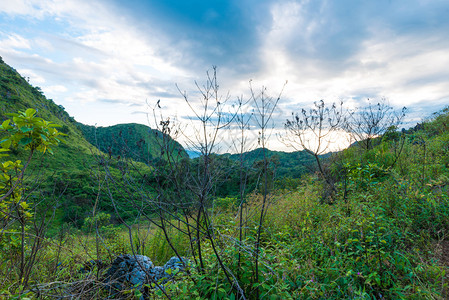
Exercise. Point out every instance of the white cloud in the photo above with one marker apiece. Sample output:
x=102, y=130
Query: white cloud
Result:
x=17, y=7
x=406, y=68
x=99, y=56
x=32, y=76
x=52, y=89
x=14, y=41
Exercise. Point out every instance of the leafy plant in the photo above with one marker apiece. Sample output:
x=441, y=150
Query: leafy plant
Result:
x=34, y=134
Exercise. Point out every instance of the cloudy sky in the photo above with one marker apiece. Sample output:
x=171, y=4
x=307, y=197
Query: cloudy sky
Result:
x=106, y=60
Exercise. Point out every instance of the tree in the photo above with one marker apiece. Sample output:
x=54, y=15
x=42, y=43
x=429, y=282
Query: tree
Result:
x=28, y=131
x=240, y=146
x=212, y=118
x=264, y=109
x=373, y=120
x=314, y=130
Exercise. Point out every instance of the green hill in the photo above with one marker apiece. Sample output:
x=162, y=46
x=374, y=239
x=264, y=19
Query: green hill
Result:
x=287, y=164
x=17, y=94
x=135, y=141
x=71, y=173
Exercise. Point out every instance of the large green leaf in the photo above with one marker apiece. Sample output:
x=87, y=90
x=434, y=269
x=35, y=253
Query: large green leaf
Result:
x=25, y=129
x=5, y=124
x=30, y=112
x=6, y=143
x=25, y=141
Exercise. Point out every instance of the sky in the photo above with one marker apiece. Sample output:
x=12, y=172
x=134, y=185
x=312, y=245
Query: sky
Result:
x=111, y=61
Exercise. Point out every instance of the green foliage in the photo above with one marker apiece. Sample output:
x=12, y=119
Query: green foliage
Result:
x=100, y=220
x=364, y=177
x=375, y=244
x=28, y=131
x=34, y=134
x=226, y=203
x=135, y=141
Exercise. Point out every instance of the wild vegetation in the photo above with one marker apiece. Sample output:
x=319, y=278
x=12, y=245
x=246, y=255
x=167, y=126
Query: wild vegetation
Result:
x=368, y=222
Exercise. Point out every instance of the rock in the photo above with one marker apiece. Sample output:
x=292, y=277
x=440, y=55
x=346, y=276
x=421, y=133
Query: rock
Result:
x=175, y=263
x=172, y=267
x=133, y=271
x=129, y=271
x=158, y=272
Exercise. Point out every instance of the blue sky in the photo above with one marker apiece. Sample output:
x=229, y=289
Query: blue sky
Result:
x=105, y=60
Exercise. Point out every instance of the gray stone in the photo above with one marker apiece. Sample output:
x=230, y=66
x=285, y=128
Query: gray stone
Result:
x=158, y=272
x=175, y=265
x=128, y=271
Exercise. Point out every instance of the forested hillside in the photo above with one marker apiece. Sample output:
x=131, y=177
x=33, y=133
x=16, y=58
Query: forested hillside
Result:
x=18, y=95
x=71, y=173
x=135, y=141
x=286, y=164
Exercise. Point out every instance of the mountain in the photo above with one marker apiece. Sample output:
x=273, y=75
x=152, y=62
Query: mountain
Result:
x=17, y=94
x=193, y=153
x=136, y=141
x=287, y=164
x=72, y=173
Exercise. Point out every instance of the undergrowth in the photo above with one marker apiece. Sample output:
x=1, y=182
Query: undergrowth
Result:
x=376, y=239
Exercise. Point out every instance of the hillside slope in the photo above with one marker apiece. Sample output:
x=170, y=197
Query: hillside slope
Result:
x=135, y=141
x=71, y=173
x=17, y=94
x=287, y=164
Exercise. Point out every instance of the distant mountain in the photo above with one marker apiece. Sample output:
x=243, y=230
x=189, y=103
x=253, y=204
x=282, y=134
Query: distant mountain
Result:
x=287, y=164
x=193, y=153
x=135, y=141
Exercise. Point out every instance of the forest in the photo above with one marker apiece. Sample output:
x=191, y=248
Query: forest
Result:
x=369, y=221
